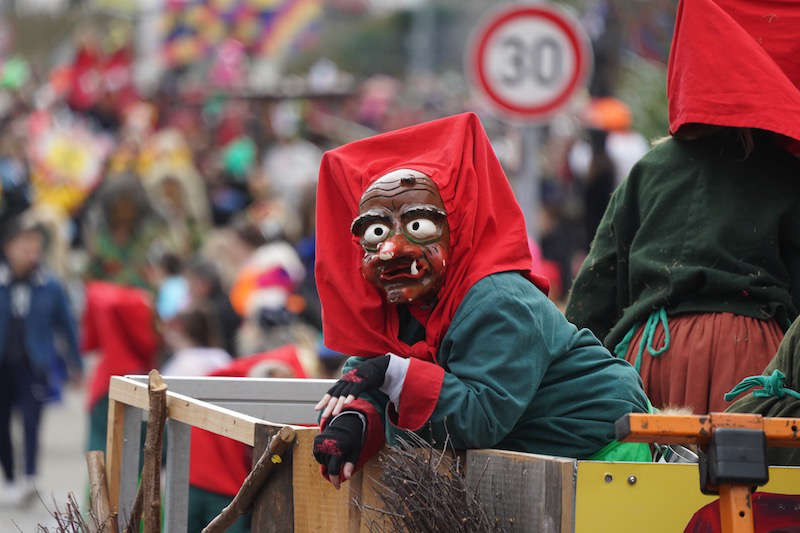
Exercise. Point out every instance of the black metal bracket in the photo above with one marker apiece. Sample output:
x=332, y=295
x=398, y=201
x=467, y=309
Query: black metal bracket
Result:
x=734, y=456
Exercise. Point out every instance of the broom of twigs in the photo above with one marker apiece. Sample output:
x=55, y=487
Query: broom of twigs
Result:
x=423, y=489
x=71, y=519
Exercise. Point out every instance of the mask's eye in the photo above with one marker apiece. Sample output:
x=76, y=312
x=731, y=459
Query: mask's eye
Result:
x=376, y=233
x=422, y=228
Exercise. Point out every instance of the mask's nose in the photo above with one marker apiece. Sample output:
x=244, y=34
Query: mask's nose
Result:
x=395, y=245
x=386, y=250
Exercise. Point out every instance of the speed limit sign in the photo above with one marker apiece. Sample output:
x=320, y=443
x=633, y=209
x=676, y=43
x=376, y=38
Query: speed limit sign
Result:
x=528, y=60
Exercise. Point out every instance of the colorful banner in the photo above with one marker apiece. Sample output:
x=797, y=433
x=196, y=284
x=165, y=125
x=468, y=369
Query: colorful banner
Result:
x=193, y=29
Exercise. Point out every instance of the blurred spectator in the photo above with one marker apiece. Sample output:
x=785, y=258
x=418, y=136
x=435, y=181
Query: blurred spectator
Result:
x=172, y=288
x=33, y=308
x=624, y=145
x=120, y=232
x=599, y=183
x=15, y=190
x=205, y=288
x=119, y=324
x=272, y=215
x=292, y=163
x=192, y=339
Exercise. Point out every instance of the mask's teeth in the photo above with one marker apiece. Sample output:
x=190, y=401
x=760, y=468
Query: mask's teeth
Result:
x=414, y=270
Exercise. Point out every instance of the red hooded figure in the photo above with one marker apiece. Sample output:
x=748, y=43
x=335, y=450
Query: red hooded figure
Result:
x=736, y=63
x=694, y=272
x=424, y=274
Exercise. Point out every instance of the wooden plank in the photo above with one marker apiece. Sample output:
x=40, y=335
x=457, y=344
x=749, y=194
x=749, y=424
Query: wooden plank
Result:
x=114, y=441
x=523, y=492
x=278, y=412
x=131, y=450
x=193, y=412
x=273, y=510
x=782, y=432
x=176, y=497
x=370, y=499
x=221, y=389
x=318, y=507
x=697, y=429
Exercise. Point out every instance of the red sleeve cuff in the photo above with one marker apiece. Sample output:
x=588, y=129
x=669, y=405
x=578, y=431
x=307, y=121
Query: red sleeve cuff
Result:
x=420, y=395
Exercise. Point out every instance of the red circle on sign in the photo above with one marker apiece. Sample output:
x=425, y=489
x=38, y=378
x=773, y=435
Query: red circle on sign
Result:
x=581, y=60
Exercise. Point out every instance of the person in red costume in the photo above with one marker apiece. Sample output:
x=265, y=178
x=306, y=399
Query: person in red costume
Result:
x=218, y=465
x=424, y=274
x=694, y=272
x=119, y=324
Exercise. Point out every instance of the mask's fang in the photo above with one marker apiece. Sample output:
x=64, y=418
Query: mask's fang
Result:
x=414, y=270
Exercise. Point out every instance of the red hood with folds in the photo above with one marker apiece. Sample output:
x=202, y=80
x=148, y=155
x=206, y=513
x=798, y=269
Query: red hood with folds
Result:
x=736, y=63
x=487, y=230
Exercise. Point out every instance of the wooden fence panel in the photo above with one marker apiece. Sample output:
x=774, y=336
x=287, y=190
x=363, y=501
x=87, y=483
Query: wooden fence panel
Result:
x=273, y=510
x=176, y=497
x=318, y=507
x=525, y=492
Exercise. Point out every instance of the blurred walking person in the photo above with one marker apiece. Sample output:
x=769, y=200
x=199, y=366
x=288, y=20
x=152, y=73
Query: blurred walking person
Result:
x=33, y=308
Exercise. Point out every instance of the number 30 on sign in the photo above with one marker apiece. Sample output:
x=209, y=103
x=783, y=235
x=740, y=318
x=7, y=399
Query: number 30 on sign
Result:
x=529, y=60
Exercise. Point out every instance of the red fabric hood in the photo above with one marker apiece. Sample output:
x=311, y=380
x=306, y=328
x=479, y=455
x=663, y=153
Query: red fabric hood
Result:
x=487, y=230
x=219, y=464
x=736, y=63
x=242, y=366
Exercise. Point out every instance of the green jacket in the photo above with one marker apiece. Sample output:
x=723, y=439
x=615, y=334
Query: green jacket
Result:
x=695, y=228
x=517, y=376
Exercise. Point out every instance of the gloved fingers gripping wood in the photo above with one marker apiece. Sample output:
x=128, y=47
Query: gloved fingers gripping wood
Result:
x=338, y=446
x=386, y=373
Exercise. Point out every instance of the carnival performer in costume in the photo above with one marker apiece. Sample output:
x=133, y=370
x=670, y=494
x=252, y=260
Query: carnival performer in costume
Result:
x=425, y=276
x=694, y=273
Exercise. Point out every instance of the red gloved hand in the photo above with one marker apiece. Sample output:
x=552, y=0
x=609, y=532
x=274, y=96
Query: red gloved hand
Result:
x=367, y=376
x=338, y=446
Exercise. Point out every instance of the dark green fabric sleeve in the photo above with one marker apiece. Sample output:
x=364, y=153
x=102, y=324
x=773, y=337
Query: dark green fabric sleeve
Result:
x=787, y=360
x=490, y=376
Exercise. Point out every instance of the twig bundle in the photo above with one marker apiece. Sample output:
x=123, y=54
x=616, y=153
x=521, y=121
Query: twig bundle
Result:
x=424, y=490
x=70, y=519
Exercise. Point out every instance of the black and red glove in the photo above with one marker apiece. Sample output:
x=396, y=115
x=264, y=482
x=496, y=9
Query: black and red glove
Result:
x=368, y=375
x=340, y=442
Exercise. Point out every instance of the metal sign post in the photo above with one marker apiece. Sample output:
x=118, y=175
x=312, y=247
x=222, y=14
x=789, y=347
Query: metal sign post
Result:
x=527, y=61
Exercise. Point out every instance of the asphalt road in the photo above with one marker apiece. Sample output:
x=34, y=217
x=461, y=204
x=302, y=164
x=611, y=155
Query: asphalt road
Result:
x=62, y=467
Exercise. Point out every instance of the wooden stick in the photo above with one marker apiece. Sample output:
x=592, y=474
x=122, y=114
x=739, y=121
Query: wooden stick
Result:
x=136, y=513
x=98, y=487
x=150, y=486
x=254, y=481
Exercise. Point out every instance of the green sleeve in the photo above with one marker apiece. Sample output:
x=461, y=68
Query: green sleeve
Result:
x=593, y=302
x=494, y=357
x=787, y=360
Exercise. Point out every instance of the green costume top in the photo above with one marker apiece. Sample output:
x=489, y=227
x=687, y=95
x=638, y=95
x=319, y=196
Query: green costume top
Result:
x=517, y=376
x=780, y=395
x=695, y=228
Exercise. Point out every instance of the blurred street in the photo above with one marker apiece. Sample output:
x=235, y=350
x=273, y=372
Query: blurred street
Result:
x=63, y=470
